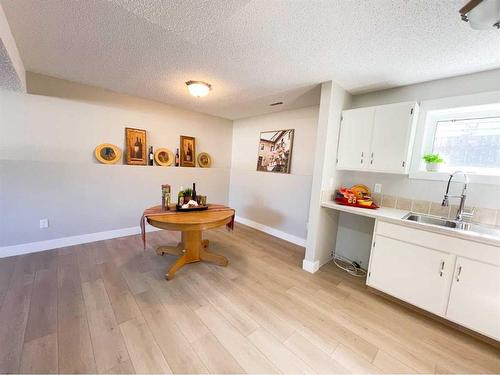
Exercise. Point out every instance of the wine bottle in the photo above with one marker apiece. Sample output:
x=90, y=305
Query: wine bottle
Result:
x=180, y=197
x=177, y=158
x=194, y=192
x=151, y=156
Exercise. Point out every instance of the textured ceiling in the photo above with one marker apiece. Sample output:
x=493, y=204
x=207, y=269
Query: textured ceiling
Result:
x=9, y=80
x=253, y=52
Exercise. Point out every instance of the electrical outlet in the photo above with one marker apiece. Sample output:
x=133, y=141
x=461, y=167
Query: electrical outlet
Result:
x=44, y=223
x=377, y=188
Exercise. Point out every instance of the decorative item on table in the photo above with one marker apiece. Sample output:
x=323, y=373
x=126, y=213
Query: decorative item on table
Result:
x=151, y=156
x=177, y=158
x=165, y=197
x=180, y=196
x=275, y=151
x=107, y=153
x=135, y=140
x=190, y=200
x=356, y=196
x=432, y=162
x=188, y=151
x=164, y=157
x=204, y=160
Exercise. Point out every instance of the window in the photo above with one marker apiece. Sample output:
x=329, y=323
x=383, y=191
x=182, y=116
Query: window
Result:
x=467, y=138
x=471, y=144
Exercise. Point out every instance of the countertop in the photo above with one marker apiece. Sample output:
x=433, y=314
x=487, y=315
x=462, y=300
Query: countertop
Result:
x=395, y=216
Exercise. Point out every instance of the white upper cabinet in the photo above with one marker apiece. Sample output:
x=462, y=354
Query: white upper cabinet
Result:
x=355, y=137
x=378, y=139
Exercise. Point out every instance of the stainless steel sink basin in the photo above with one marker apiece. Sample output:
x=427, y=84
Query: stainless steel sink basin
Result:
x=452, y=224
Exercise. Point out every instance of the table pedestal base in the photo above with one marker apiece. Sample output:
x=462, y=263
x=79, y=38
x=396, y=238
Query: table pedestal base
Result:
x=192, y=249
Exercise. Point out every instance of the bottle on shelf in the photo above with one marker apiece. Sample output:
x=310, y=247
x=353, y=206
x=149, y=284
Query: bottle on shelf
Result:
x=151, y=156
x=177, y=158
x=180, y=197
x=194, y=192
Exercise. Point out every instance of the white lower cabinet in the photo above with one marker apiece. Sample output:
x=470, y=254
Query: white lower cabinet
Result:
x=475, y=297
x=414, y=274
x=454, y=278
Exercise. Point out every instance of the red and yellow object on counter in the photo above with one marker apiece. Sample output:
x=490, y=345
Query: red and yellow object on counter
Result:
x=357, y=196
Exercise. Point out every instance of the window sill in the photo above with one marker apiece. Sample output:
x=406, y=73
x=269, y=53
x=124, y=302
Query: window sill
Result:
x=474, y=178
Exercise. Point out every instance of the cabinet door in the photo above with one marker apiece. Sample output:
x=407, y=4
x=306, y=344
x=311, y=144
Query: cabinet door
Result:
x=475, y=297
x=414, y=274
x=355, y=138
x=393, y=135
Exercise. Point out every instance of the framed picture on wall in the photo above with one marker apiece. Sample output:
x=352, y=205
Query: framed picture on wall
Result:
x=275, y=151
x=135, y=141
x=188, y=151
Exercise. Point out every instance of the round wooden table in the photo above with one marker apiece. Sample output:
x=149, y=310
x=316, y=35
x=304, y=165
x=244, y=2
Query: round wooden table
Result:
x=192, y=248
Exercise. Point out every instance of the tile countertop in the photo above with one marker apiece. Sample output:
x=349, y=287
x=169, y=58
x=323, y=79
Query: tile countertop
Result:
x=395, y=216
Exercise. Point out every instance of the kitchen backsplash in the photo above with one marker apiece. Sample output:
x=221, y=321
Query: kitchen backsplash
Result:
x=481, y=214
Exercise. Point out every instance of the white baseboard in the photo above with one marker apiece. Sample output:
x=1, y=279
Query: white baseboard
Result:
x=309, y=266
x=272, y=231
x=33, y=247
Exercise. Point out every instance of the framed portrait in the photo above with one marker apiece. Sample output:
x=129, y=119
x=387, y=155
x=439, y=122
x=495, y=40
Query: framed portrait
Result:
x=188, y=151
x=135, y=141
x=164, y=157
x=107, y=153
x=275, y=151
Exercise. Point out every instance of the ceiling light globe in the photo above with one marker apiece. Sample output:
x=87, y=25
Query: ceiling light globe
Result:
x=198, y=88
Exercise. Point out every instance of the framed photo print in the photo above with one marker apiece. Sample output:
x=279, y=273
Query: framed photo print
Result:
x=135, y=141
x=188, y=151
x=275, y=151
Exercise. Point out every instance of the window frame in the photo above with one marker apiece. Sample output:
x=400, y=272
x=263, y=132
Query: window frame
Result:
x=432, y=111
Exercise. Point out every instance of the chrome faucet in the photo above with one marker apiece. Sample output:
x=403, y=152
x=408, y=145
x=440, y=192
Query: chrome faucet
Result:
x=463, y=196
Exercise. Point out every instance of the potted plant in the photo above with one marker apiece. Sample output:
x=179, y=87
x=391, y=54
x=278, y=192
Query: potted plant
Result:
x=432, y=162
x=188, y=194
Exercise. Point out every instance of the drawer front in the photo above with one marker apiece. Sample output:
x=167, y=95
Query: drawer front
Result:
x=470, y=249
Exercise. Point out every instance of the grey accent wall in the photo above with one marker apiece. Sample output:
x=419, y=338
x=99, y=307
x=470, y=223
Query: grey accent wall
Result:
x=280, y=201
x=48, y=169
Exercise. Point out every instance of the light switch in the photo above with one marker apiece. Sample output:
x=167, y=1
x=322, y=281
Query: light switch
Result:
x=377, y=188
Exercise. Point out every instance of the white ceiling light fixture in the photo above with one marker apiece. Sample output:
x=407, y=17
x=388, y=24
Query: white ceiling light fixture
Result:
x=482, y=14
x=198, y=88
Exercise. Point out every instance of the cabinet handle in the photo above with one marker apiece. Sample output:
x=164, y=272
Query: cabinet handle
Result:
x=441, y=269
x=459, y=271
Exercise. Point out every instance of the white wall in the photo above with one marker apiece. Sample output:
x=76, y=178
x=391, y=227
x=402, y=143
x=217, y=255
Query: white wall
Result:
x=425, y=189
x=323, y=222
x=47, y=167
x=12, y=73
x=278, y=201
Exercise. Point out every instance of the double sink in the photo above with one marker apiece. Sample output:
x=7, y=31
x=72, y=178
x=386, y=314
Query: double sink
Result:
x=452, y=224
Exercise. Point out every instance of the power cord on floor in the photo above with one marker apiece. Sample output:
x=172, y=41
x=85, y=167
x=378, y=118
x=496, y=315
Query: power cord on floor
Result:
x=350, y=266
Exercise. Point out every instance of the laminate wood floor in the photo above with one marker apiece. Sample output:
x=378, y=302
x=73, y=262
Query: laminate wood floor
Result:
x=105, y=307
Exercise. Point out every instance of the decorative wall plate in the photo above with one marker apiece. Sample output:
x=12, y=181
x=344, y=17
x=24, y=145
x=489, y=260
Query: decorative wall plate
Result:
x=107, y=153
x=164, y=157
x=204, y=160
